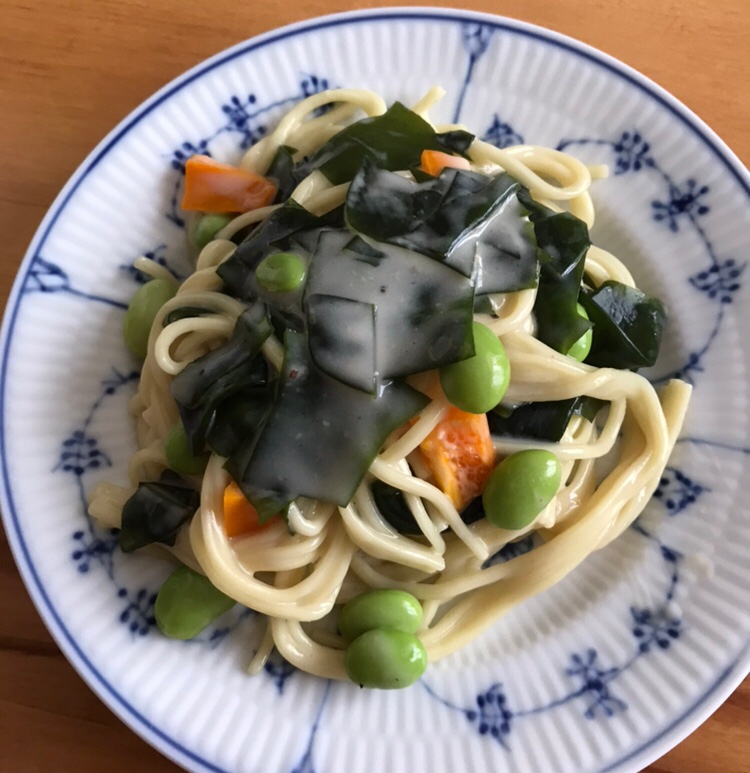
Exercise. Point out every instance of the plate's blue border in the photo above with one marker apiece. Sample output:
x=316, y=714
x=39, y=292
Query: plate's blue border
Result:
x=698, y=711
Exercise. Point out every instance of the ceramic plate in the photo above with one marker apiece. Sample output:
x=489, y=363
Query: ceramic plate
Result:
x=607, y=670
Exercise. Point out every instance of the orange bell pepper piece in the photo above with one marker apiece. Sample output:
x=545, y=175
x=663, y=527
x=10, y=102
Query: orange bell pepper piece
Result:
x=434, y=161
x=240, y=517
x=211, y=186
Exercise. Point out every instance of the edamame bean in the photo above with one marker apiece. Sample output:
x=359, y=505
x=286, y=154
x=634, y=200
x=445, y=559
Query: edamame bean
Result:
x=385, y=659
x=281, y=272
x=187, y=603
x=177, y=451
x=520, y=487
x=394, y=609
x=580, y=349
x=478, y=384
x=205, y=227
x=143, y=308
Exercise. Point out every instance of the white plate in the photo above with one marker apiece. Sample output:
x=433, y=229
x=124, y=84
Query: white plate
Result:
x=604, y=672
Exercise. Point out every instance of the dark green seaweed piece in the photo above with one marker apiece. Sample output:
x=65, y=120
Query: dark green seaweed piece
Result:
x=232, y=367
x=342, y=339
x=281, y=172
x=156, y=512
x=394, y=140
x=184, y=312
x=628, y=326
x=563, y=241
x=321, y=436
x=420, y=175
x=474, y=511
x=456, y=141
x=238, y=419
x=366, y=251
x=392, y=506
x=421, y=310
x=544, y=421
x=279, y=231
x=469, y=221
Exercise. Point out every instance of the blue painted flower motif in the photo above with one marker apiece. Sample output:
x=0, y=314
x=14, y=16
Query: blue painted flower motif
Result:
x=90, y=546
x=492, y=716
x=719, y=281
x=511, y=550
x=80, y=452
x=677, y=490
x=117, y=380
x=476, y=37
x=655, y=628
x=501, y=134
x=312, y=84
x=279, y=670
x=595, y=684
x=45, y=277
x=670, y=555
x=158, y=255
x=138, y=615
x=243, y=120
x=305, y=765
x=187, y=149
x=632, y=153
x=682, y=202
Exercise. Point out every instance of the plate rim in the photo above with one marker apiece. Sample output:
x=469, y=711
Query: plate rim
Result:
x=725, y=683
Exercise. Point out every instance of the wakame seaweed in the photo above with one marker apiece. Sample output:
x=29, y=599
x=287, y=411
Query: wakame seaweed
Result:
x=234, y=366
x=321, y=435
x=456, y=141
x=279, y=231
x=281, y=172
x=544, y=421
x=563, y=241
x=156, y=511
x=471, y=222
x=628, y=326
x=394, y=140
x=392, y=506
x=238, y=419
x=185, y=312
x=405, y=312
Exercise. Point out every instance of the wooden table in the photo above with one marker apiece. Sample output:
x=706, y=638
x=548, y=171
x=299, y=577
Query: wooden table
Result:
x=70, y=70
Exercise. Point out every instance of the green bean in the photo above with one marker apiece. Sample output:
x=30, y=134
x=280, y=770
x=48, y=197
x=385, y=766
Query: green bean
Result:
x=281, y=272
x=177, y=451
x=143, y=308
x=581, y=348
x=187, y=603
x=394, y=609
x=520, y=487
x=205, y=227
x=478, y=384
x=385, y=659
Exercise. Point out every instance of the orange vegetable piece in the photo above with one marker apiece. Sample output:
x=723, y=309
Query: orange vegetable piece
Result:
x=460, y=454
x=434, y=161
x=211, y=186
x=240, y=517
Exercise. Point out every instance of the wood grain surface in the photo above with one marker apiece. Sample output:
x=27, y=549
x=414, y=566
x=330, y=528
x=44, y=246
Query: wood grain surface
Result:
x=70, y=70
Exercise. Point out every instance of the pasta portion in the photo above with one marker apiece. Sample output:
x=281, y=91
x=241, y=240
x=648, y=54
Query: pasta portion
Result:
x=303, y=520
